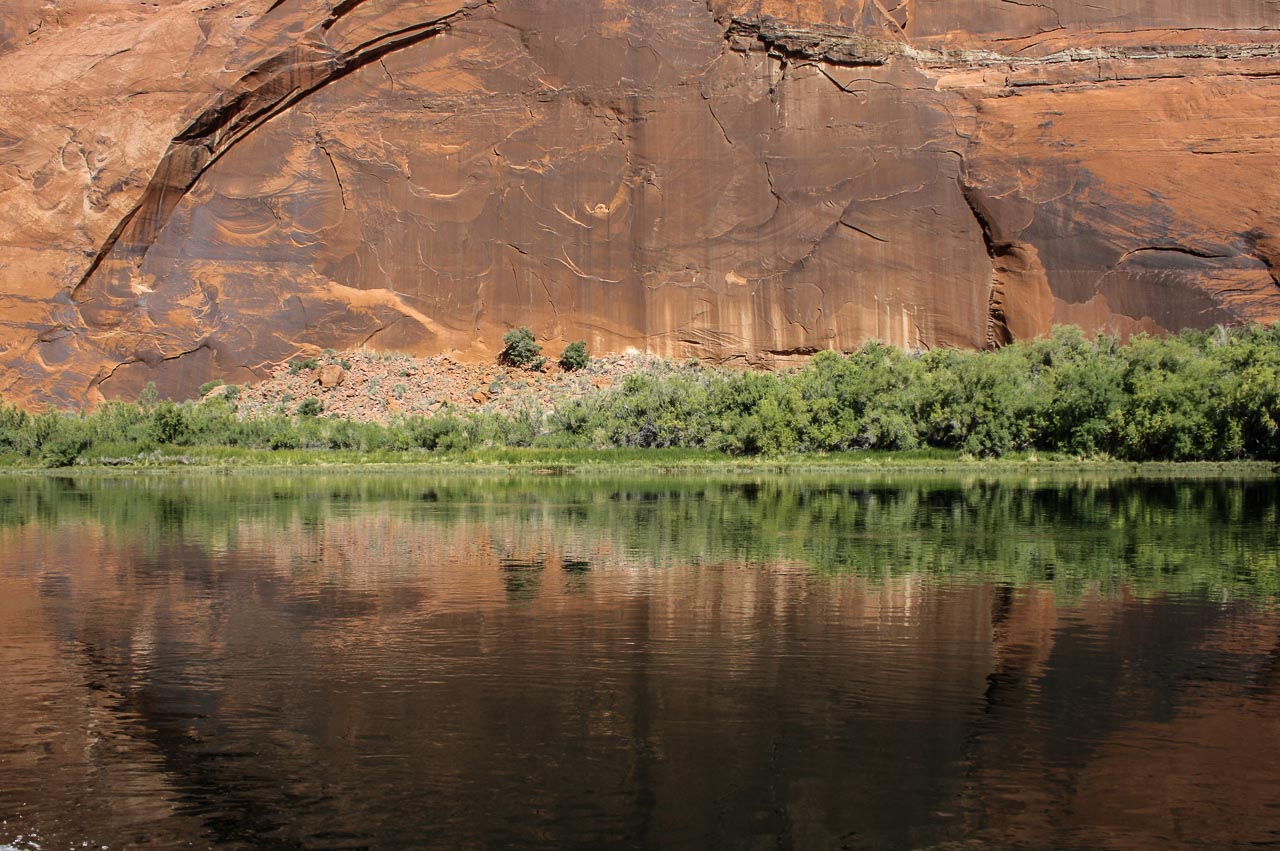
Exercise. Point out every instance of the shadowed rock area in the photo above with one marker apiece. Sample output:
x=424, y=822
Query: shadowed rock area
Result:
x=194, y=190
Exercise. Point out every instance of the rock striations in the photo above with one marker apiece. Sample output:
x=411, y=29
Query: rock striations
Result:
x=199, y=189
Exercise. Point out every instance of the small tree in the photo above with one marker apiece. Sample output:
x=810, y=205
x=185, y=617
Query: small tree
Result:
x=521, y=350
x=169, y=424
x=574, y=356
x=149, y=397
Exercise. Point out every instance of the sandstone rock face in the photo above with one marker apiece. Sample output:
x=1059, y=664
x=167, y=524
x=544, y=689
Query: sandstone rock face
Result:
x=194, y=190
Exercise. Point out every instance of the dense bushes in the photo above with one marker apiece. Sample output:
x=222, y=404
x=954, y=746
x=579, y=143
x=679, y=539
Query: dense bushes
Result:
x=1196, y=396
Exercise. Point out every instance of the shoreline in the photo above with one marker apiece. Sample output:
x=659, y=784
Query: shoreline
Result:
x=677, y=463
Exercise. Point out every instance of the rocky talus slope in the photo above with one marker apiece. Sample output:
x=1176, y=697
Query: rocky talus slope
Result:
x=194, y=190
x=381, y=386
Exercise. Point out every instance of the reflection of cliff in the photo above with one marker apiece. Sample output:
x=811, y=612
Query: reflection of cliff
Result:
x=72, y=763
x=448, y=670
x=1125, y=725
x=197, y=189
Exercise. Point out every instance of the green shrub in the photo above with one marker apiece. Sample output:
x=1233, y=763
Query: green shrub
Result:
x=64, y=449
x=13, y=425
x=575, y=356
x=981, y=403
x=438, y=432
x=867, y=400
x=299, y=365
x=169, y=424
x=521, y=350
x=60, y=439
x=149, y=397
x=1083, y=393
x=310, y=408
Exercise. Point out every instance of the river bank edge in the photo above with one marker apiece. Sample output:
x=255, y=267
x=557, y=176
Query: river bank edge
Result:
x=658, y=462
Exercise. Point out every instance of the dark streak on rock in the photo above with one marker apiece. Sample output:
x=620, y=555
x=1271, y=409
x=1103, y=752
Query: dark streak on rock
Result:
x=998, y=333
x=276, y=85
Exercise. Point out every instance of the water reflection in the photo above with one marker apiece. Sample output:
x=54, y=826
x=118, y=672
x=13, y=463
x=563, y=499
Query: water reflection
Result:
x=405, y=662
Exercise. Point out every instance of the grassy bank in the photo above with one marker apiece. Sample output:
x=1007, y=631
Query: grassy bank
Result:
x=613, y=462
x=1197, y=397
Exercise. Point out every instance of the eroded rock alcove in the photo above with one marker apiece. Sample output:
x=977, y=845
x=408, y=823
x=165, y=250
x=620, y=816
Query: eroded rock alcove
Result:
x=193, y=189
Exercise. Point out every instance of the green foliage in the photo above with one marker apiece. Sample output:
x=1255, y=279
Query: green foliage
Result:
x=520, y=349
x=310, y=407
x=980, y=404
x=1083, y=393
x=867, y=400
x=440, y=432
x=13, y=425
x=574, y=356
x=299, y=365
x=62, y=439
x=149, y=396
x=169, y=424
x=1196, y=396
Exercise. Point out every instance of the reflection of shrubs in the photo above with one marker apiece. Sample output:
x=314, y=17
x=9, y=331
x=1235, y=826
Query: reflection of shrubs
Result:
x=310, y=408
x=574, y=356
x=521, y=350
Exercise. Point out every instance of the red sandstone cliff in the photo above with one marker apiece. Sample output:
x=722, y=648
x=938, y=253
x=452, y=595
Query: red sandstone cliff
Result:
x=193, y=189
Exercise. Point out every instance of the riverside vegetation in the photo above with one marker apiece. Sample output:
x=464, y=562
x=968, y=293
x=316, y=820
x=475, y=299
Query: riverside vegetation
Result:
x=1200, y=395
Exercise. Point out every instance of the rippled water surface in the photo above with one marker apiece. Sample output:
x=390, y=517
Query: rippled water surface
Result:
x=764, y=662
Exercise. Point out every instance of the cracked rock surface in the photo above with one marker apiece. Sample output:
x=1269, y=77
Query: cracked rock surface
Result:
x=195, y=190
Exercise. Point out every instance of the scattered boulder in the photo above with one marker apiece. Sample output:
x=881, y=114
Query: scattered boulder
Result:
x=330, y=375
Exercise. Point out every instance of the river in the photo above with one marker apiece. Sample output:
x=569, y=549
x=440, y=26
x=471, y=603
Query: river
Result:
x=753, y=661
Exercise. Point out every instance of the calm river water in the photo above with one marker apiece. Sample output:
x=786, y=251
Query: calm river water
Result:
x=765, y=662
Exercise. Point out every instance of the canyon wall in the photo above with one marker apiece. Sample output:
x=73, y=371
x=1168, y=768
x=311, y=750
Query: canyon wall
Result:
x=194, y=190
